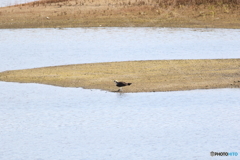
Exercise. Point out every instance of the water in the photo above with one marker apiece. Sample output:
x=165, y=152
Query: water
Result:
x=48, y=47
x=69, y=123
x=44, y=122
x=4, y=3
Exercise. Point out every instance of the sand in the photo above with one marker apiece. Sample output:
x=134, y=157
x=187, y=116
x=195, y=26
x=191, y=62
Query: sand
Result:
x=145, y=76
x=119, y=13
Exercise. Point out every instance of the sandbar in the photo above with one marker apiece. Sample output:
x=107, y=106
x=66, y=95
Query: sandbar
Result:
x=145, y=76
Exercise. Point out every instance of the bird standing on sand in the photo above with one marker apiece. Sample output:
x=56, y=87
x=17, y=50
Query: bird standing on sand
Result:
x=121, y=84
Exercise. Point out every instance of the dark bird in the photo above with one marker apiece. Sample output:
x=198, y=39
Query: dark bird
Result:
x=121, y=84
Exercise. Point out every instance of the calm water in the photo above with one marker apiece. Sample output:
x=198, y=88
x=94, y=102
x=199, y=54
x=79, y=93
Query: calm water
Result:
x=4, y=3
x=29, y=48
x=43, y=122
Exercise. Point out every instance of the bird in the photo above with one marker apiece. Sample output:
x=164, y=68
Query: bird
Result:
x=121, y=84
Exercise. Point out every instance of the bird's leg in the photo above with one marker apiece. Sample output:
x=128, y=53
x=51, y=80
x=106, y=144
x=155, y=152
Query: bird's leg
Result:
x=120, y=89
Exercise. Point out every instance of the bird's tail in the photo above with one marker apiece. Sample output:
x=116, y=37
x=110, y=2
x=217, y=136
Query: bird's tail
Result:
x=129, y=84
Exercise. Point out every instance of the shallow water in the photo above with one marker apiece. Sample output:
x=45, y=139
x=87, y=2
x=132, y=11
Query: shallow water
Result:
x=70, y=123
x=44, y=122
x=48, y=47
x=4, y=3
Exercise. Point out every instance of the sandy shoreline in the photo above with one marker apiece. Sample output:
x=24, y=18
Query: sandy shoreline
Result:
x=145, y=76
x=121, y=13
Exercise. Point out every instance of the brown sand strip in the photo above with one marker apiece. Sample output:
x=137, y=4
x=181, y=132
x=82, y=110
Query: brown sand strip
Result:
x=145, y=76
x=122, y=13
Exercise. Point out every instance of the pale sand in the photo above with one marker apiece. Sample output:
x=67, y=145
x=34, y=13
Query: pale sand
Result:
x=145, y=76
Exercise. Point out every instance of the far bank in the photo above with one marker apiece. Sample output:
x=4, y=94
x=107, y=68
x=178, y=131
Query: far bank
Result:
x=121, y=13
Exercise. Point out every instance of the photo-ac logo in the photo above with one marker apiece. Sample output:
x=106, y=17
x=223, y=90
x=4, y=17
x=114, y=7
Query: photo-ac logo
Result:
x=223, y=153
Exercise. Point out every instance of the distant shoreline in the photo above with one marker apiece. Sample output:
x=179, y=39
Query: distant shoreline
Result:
x=121, y=13
x=145, y=76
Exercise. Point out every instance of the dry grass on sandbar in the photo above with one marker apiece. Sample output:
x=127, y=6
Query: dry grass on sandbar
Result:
x=145, y=76
x=122, y=13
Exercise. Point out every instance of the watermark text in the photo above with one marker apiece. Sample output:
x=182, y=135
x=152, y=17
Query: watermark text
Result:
x=224, y=153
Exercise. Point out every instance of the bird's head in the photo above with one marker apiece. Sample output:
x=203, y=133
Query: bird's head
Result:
x=115, y=81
